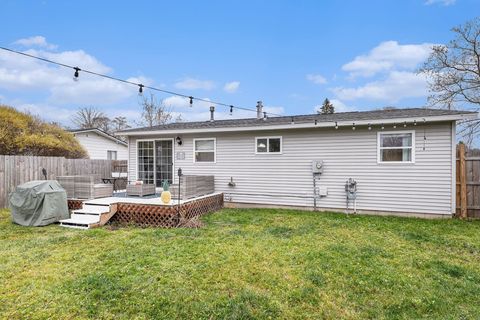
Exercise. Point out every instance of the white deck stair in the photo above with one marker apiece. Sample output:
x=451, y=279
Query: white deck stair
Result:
x=89, y=216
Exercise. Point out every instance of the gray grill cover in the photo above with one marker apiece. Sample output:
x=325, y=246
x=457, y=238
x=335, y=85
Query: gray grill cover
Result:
x=38, y=203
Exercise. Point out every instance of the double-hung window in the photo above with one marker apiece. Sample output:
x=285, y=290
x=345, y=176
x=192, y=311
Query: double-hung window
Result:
x=268, y=145
x=204, y=150
x=396, y=147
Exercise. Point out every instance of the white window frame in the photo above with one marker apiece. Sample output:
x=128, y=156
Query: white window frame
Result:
x=214, y=150
x=155, y=158
x=111, y=152
x=268, y=144
x=380, y=133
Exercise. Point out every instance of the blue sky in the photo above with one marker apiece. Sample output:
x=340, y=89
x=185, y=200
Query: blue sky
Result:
x=290, y=54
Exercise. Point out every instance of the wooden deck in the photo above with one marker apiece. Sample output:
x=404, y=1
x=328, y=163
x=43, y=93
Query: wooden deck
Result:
x=152, y=212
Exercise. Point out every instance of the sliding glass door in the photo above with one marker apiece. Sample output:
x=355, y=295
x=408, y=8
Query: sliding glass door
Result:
x=163, y=161
x=155, y=161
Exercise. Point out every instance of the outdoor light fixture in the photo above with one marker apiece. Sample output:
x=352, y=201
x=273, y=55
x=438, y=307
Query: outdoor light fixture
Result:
x=293, y=120
x=369, y=127
x=336, y=125
x=383, y=127
x=231, y=110
x=353, y=126
x=394, y=126
x=264, y=116
x=316, y=121
x=76, y=74
x=140, y=89
x=179, y=141
x=405, y=124
x=191, y=101
x=414, y=122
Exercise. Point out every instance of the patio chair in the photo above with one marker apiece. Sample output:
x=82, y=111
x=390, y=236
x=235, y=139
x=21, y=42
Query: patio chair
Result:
x=140, y=189
x=87, y=187
x=67, y=183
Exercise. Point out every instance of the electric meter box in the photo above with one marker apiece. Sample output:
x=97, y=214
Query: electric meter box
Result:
x=317, y=166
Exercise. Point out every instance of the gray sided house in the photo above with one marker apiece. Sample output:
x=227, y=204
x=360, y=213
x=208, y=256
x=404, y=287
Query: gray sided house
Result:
x=403, y=160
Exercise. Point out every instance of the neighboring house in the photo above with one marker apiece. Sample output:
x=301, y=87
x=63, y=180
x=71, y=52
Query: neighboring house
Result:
x=403, y=160
x=101, y=145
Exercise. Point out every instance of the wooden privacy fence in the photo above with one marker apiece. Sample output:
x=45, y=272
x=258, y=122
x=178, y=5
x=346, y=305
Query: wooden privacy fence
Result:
x=468, y=184
x=15, y=170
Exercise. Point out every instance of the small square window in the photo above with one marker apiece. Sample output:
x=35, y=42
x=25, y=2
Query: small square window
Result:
x=268, y=145
x=395, y=147
x=204, y=150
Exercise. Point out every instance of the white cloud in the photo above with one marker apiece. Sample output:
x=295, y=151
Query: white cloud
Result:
x=22, y=74
x=36, y=41
x=193, y=84
x=231, y=87
x=388, y=56
x=316, y=78
x=442, y=2
x=398, y=85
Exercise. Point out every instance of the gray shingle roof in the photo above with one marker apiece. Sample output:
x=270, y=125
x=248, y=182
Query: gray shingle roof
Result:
x=309, y=118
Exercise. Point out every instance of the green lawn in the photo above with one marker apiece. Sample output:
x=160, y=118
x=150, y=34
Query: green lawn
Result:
x=245, y=264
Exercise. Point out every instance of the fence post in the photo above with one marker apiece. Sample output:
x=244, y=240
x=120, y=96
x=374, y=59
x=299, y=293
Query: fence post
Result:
x=463, y=181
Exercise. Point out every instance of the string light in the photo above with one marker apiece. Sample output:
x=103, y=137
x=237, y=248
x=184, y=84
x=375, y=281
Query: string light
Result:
x=383, y=127
x=231, y=110
x=293, y=121
x=140, y=89
x=336, y=125
x=405, y=124
x=77, y=74
x=264, y=116
x=353, y=126
x=369, y=127
x=414, y=122
x=315, y=121
x=394, y=125
x=191, y=102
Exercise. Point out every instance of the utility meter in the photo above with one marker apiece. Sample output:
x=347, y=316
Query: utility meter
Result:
x=317, y=166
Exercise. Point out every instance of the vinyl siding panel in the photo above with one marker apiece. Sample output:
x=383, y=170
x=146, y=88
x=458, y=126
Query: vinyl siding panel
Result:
x=97, y=146
x=286, y=179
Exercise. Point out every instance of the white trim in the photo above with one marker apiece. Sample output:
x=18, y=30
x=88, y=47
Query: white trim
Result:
x=454, y=167
x=379, y=133
x=155, y=158
x=320, y=124
x=101, y=133
x=268, y=144
x=214, y=150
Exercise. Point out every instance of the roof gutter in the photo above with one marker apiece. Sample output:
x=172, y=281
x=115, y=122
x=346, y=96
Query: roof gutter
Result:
x=330, y=124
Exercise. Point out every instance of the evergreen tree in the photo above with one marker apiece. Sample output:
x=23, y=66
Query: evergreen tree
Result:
x=327, y=107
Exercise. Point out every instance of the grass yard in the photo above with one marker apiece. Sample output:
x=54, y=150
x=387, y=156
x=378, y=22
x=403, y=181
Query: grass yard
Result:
x=245, y=264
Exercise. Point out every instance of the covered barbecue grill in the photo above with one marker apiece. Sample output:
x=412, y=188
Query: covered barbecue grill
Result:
x=38, y=203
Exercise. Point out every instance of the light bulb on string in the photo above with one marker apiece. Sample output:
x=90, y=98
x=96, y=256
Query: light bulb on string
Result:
x=231, y=110
x=76, y=73
x=264, y=116
x=369, y=127
x=191, y=101
x=140, y=89
x=353, y=126
x=336, y=125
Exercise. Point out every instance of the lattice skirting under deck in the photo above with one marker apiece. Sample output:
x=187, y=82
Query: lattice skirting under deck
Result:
x=166, y=216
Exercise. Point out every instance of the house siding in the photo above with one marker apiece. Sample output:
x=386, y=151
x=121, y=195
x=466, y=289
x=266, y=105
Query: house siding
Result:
x=97, y=146
x=286, y=179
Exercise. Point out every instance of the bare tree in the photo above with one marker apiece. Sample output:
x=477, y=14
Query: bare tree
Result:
x=453, y=73
x=90, y=117
x=120, y=123
x=154, y=112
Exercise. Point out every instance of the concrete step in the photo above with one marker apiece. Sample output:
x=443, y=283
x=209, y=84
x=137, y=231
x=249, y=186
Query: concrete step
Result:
x=92, y=209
